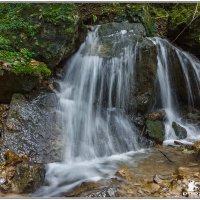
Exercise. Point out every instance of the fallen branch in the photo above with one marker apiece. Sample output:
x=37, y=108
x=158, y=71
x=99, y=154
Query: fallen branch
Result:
x=165, y=156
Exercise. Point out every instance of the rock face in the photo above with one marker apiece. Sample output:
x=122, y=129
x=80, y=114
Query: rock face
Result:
x=3, y=115
x=11, y=83
x=32, y=128
x=51, y=31
x=145, y=76
x=141, y=91
x=180, y=132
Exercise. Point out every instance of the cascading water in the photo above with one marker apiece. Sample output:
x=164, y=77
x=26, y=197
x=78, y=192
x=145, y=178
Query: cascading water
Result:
x=98, y=134
x=93, y=99
x=93, y=125
x=168, y=98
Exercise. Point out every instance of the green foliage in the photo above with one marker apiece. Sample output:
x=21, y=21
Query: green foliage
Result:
x=58, y=13
x=181, y=14
x=149, y=22
x=29, y=17
x=22, y=63
x=177, y=14
x=4, y=43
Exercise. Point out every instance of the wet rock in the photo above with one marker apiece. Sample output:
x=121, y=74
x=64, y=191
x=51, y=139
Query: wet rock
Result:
x=11, y=158
x=107, y=192
x=155, y=131
x=151, y=187
x=157, y=179
x=11, y=83
x=83, y=188
x=180, y=132
x=142, y=93
x=19, y=175
x=125, y=173
x=159, y=115
x=3, y=115
x=32, y=127
x=196, y=146
x=28, y=177
x=139, y=121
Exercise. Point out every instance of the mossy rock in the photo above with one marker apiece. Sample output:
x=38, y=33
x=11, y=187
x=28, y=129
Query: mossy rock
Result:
x=51, y=31
x=155, y=131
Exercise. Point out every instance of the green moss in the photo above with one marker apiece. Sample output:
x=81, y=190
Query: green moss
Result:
x=155, y=130
x=23, y=24
x=26, y=15
x=21, y=63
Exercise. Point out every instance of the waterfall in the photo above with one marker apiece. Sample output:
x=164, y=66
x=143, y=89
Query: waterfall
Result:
x=98, y=135
x=93, y=97
x=168, y=97
x=93, y=100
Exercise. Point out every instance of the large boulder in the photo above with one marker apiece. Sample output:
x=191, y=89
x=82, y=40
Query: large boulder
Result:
x=113, y=38
x=32, y=128
x=51, y=31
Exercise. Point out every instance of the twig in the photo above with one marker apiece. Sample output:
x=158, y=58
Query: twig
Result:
x=165, y=156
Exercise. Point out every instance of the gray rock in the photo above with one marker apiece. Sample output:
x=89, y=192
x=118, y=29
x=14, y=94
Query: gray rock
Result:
x=32, y=128
x=104, y=192
x=180, y=132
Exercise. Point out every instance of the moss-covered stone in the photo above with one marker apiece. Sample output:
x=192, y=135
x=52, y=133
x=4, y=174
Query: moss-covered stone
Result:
x=51, y=31
x=155, y=130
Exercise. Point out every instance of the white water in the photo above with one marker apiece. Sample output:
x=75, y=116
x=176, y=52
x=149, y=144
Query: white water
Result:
x=93, y=97
x=97, y=132
x=169, y=104
x=98, y=135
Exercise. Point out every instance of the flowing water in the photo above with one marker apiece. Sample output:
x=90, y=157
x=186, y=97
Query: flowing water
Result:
x=97, y=131
x=98, y=134
x=168, y=98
